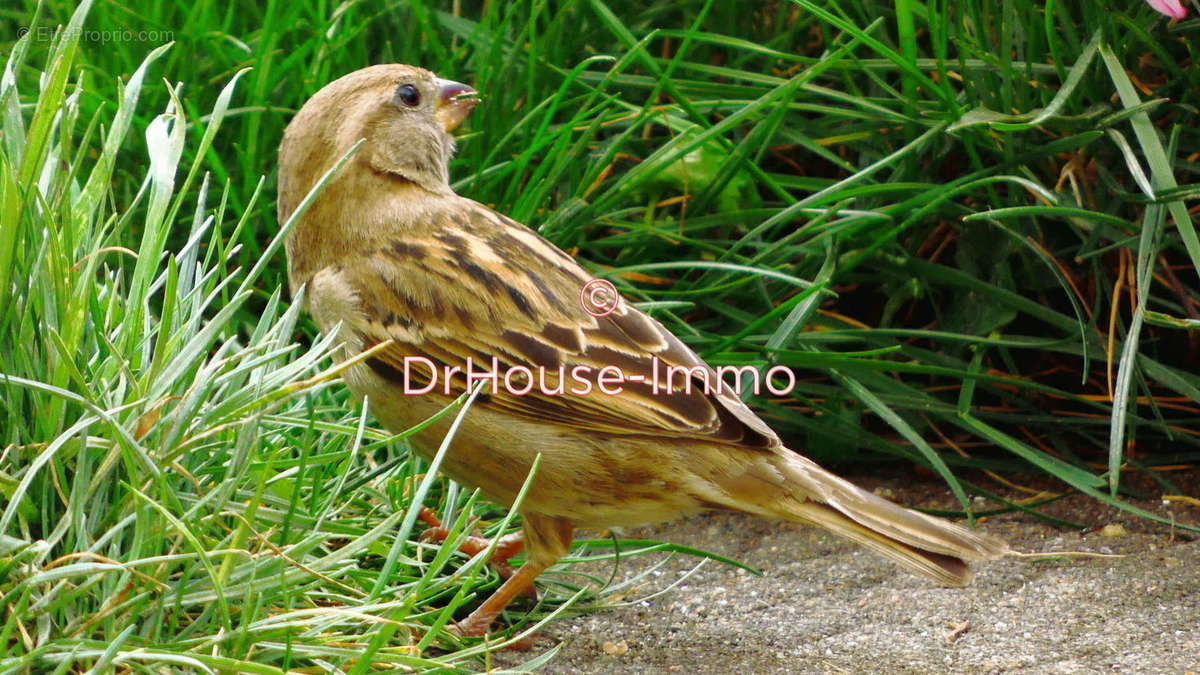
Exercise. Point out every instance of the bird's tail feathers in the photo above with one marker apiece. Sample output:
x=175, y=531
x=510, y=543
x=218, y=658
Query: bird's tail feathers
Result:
x=931, y=546
x=945, y=569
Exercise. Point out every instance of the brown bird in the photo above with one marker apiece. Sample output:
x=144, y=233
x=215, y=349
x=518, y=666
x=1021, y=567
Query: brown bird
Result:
x=389, y=252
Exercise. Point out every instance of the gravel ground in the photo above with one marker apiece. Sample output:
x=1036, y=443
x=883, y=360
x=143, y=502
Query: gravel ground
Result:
x=826, y=606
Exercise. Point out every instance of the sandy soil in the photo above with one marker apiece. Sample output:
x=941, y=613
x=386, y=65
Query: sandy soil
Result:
x=826, y=606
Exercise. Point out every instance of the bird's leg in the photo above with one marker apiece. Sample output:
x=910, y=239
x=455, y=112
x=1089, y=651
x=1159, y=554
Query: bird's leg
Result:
x=547, y=539
x=508, y=546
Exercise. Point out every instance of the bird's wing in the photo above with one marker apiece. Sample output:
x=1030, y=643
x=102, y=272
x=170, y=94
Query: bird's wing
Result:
x=479, y=285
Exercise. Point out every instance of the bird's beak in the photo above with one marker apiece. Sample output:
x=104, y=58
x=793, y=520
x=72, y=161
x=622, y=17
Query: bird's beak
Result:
x=455, y=102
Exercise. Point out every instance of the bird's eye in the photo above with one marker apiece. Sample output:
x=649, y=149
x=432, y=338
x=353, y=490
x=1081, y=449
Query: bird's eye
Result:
x=408, y=95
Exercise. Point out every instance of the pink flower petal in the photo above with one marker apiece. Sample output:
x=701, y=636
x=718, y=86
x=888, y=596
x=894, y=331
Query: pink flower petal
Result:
x=1172, y=8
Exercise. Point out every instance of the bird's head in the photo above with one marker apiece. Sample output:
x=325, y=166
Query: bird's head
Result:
x=404, y=113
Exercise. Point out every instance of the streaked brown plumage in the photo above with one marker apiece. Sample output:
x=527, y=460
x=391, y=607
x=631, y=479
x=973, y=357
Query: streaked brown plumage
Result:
x=389, y=252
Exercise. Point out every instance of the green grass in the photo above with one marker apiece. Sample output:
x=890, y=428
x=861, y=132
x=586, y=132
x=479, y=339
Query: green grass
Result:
x=966, y=225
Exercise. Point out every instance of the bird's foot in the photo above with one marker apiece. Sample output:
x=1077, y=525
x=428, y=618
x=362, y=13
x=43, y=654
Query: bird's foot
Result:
x=477, y=629
x=520, y=583
x=469, y=627
x=508, y=546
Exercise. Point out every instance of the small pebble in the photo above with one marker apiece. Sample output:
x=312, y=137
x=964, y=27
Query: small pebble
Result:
x=617, y=648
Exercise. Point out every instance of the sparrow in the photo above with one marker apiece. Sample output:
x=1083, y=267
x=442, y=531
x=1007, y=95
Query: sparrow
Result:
x=392, y=258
